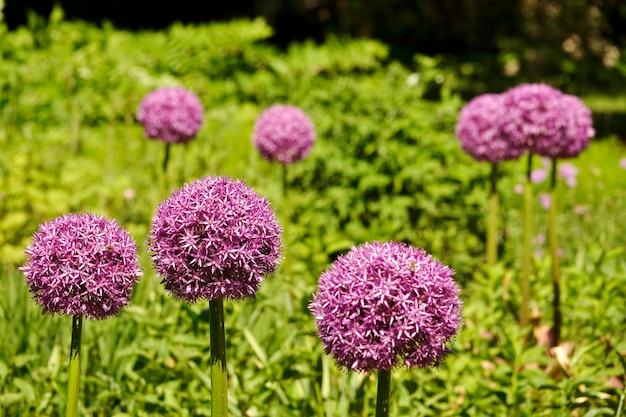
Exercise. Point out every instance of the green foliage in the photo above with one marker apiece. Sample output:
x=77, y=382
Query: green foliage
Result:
x=386, y=166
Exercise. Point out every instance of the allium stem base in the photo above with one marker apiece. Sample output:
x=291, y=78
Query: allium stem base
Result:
x=383, y=393
x=219, y=377
x=74, y=371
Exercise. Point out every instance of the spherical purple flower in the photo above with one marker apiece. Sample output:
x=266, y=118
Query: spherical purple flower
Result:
x=82, y=264
x=479, y=129
x=214, y=238
x=384, y=304
x=574, y=128
x=173, y=115
x=533, y=115
x=284, y=134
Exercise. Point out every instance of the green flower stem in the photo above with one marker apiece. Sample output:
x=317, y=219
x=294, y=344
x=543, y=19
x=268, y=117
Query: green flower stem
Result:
x=527, y=245
x=219, y=378
x=554, y=258
x=166, y=156
x=383, y=394
x=284, y=182
x=74, y=372
x=492, y=219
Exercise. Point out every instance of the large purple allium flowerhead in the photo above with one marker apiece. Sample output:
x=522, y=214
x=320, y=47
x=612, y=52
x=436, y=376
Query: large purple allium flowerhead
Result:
x=214, y=238
x=574, y=128
x=533, y=114
x=82, y=264
x=171, y=114
x=479, y=129
x=384, y=304
x=283, y=133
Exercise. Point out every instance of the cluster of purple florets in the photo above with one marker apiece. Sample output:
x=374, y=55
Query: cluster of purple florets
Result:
x=386, y=304
x=283, y=134
x=82, y=264
x=171, y=114
x=530, y=117
x=214, y=238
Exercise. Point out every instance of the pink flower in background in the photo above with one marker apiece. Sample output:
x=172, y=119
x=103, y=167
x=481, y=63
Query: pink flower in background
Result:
x=532, y=115
x=622, y=163
x=569, y=173
x=518, y=189
x=479, y=130
x=173, y=115
x=283, y=134
x=537, y=176
x=544, y=200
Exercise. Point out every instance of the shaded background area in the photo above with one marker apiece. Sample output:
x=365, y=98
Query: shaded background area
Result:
x=575, y=45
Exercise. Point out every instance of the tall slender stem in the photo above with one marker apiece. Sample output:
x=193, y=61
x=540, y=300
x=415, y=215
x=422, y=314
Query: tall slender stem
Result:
x=492, y=220
x=74, y=372
x=527, y=246
x=219, y=377
x=383, y=394
x=166, y=157
x=554, y=258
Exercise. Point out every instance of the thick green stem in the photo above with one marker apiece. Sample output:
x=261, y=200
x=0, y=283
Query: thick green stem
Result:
x=492, y=219
x=527, y=245
x=383, y=394
x=554, y=258
x=74, y=372
x=219, y=378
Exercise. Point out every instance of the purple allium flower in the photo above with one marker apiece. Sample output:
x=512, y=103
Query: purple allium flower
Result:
x=384, y=304
x=214, y=238
x=545, y=200
x=622, y=163
x=479, y=129
x=537, y=176
x=574, y=128
x=533, y=115
x=171, y=114
x=283, y=133
x=82, y=264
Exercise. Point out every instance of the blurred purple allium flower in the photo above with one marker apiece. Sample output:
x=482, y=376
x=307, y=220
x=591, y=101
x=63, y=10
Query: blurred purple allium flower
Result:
x=384, y=304
x=171, y=114
x=479, y=130
x=545, y=200
x=533, y=115
x=283, y=134
x=82, y=264
x=518, y=189
x=622, y=163
x=576, y=128
x=537, y=176
x=569, y=173
x=214, y=238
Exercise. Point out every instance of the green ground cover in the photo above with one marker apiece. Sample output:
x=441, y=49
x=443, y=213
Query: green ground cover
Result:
x=386, y=166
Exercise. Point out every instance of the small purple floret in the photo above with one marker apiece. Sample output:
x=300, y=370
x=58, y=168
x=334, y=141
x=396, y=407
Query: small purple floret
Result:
x=283, y=134
x=480, y=131
x=386, y=304
x=171, y=114
x=214, y=238
x=82, y=264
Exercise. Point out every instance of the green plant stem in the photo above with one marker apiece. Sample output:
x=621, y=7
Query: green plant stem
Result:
x=492, y=219
x=527, y=245
x=166, y=157
x=219, y=378
x=74, y=372
x=383, y=393
x=554, y=258
x=284, y=182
